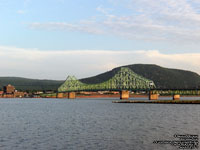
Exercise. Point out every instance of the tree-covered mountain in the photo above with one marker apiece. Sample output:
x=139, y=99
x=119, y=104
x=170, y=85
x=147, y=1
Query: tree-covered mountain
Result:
x=164, y=78
x=24, y=84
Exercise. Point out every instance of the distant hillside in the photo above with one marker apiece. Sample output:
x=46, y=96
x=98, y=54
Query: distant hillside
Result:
x=24, y=84
x=164, y=78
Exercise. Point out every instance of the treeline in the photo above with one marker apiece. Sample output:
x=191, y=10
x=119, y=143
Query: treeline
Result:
x=24, y=84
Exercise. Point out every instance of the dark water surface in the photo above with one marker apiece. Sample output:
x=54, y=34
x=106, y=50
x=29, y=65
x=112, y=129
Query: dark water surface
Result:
x=59, y=124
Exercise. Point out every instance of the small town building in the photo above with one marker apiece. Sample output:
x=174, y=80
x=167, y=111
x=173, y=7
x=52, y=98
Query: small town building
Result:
x=1, y=94
x=18, y=94
x=9, y=89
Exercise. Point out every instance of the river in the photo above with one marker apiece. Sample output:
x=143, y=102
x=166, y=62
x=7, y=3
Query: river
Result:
x=92, y=124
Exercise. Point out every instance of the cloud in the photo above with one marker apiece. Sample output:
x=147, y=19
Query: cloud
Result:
x=161, y=20
x=25, y=6
x=34, y=63
x=20, y=11
x=26, y=2
x=84, y=26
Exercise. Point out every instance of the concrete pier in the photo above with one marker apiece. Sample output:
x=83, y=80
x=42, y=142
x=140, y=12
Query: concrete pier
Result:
x=124, y=94
x=176, y=97
x=153, y=96
x=71, y=95
x=60, y=95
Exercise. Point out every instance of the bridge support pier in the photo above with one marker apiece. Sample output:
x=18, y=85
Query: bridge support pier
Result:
x=71, y=95
x=124, y=94
x=176, y=97
x=152, y=96
x=60, y=95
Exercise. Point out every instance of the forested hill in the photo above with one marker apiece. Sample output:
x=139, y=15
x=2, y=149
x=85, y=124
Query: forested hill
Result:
x=25, y=84
x=164, y=78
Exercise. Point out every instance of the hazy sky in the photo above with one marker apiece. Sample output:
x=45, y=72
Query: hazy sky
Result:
x=50, y=39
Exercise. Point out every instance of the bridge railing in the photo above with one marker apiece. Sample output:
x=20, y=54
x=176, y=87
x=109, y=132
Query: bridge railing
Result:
x=176, y=91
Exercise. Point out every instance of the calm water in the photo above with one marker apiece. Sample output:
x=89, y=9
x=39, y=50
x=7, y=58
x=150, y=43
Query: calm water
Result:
x=58, y=124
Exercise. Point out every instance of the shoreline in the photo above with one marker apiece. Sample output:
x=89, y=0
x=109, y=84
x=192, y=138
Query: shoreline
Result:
x=105, y=96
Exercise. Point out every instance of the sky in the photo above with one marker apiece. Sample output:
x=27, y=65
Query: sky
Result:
x=51, y=39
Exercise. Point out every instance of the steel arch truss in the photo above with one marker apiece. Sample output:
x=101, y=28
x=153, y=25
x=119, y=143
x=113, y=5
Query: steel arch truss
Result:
x=125, y=79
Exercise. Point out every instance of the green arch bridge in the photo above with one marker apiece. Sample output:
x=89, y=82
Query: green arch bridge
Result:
x=124, y=79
